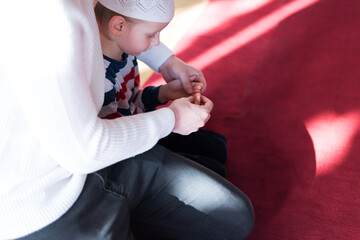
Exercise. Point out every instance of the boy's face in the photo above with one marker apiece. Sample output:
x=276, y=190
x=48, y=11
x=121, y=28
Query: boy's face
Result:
x=140, y=36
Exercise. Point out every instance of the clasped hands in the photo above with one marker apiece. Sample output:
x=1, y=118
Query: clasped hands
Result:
x=185, y=85
x=175, y=90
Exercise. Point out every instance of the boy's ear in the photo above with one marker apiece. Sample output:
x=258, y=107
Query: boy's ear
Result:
x=116, y=25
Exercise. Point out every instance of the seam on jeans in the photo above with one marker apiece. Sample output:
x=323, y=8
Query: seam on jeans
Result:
x=182, y=227
x=105, y=189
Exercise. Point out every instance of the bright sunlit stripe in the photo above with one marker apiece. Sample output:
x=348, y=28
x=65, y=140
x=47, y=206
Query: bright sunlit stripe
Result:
x=250, y=33
x=219, y=13
x=332, y=136
x=243, y=36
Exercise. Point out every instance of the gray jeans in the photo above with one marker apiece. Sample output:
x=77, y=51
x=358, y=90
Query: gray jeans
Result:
x=155, y=195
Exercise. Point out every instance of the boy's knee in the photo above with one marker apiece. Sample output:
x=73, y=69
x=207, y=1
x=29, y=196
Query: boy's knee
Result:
x=220, y=144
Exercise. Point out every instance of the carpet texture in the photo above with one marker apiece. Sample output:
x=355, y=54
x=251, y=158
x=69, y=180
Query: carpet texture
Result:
x=285, y=79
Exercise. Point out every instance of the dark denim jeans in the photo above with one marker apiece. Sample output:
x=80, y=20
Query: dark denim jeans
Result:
x=155, y=195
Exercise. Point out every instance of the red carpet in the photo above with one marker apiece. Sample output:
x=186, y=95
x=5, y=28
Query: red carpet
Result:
x=285, y=79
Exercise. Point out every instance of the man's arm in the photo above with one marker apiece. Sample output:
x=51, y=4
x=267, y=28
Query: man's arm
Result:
x=162, y=60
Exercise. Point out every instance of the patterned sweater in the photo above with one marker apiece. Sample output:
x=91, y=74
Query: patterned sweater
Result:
x=123, y=95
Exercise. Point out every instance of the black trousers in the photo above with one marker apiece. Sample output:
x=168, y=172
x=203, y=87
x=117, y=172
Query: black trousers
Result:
x=155, y=195
x=205, y=147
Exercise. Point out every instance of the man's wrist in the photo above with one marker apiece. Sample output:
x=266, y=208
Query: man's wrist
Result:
x=166, y=63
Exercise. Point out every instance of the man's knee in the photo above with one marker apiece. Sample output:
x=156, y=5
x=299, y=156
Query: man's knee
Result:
x=244, y=221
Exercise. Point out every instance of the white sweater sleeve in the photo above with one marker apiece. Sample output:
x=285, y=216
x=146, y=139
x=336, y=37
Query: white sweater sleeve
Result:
x=156, y=56
x=58, y=92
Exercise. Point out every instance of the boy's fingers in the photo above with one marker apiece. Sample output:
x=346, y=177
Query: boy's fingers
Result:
x=197, y=98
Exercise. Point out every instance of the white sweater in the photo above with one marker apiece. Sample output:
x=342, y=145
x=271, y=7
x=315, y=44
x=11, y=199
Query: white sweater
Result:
x=51, y=89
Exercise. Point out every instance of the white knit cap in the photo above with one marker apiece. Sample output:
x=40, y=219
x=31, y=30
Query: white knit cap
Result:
x=147, y=10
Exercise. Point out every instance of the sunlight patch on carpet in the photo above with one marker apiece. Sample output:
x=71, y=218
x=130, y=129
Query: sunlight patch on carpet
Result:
x=250, y=33
x=332, y=137
x=240, y=38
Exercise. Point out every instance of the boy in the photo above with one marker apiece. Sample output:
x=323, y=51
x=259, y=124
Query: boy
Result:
x=67, y=174
x=126, y=30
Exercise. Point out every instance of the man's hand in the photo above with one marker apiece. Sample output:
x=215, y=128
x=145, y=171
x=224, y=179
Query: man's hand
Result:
x=174, y=68
x=188, y=116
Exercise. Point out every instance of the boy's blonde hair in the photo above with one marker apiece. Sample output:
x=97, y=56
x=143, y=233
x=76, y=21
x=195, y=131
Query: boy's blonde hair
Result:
x=103, y=16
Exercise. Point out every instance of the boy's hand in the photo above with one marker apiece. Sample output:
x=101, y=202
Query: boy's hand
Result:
x=174, y=90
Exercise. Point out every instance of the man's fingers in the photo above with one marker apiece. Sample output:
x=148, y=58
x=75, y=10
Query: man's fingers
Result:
x=197, y=86
x=186, y=83
x=197, y=98
x=202, y=80
x=207, y=103
x=193, y=77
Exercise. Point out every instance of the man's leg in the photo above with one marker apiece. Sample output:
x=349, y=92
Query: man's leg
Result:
x=174, y=198
x=155, y=195
x=97, y=214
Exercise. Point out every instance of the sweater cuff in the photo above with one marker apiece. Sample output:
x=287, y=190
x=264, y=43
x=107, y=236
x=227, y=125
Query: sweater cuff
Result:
x=150, y=98
x=156, y=56
x=167, y=121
